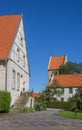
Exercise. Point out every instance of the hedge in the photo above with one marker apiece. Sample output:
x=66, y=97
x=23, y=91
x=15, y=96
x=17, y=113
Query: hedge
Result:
x=56, y=104
x=5, y=100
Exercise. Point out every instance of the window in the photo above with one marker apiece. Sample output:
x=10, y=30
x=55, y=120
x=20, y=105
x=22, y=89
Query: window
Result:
x=18, y=55
x=18, y=81
x=23, y=89
x=49, y=80
x=62, y=90
x=13, y=79
x=21, y=41
x=62, y=99
x=23, y=60
x=70, y=90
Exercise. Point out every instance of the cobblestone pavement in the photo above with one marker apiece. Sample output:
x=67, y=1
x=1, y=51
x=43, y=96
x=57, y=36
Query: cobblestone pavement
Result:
x=46, y=120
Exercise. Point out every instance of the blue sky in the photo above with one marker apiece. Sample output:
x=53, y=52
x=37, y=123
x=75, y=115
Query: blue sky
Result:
x=53, y=28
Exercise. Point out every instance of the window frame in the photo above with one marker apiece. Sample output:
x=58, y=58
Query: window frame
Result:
x=18, y=81
x=70, y=90
x=18, y=54
x=13, y=79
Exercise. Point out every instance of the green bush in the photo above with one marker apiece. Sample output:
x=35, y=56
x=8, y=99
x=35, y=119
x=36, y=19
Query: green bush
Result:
x=71, y=104
x=5, y=100
x=55, y=104
x=40, y=106
x=29, y=110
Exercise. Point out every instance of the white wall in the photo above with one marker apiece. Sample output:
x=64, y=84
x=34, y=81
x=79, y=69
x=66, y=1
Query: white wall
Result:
x=66, y=94
x=24, y=80
x=22, y=48
x=17, y=64
x=30, y=103
x=2, y=75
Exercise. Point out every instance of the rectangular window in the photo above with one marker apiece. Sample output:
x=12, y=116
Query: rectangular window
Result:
x=70, y=90
x=21, y=41
x=18, y=81
x=13, y=79
x=63, y=90
x=23, y=60
x=62, y=99
x=18, y=55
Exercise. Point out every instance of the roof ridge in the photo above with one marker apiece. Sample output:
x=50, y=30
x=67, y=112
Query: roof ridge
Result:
x=3, y=15
x=59, y=56
x=67, y=74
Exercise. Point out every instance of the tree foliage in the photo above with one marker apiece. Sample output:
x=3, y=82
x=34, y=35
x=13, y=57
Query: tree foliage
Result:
x=46, y=95
x=58, y=89
x=75, y=101
x=5, y=100
x=50, y=91
x=71, y=68
x=79, y=98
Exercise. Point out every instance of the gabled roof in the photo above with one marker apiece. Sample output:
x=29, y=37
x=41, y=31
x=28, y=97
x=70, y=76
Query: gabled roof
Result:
x=69, y=80
x=35, y=95
x=55, y=62
x=8, y=28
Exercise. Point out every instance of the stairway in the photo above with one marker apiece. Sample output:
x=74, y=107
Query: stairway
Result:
x=21, y=102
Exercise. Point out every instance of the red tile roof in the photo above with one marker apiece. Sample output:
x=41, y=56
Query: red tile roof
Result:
x=8, y=28
x=56, y=62
x=35, y=95
x=69, y=80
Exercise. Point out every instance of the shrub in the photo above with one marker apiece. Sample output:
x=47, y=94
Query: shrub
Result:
x=5, y=100
x=55, y=104
x=71, y=104
x=28, y=109
x=39, y=106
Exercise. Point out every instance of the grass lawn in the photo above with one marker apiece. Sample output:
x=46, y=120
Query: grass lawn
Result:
x=70, y=114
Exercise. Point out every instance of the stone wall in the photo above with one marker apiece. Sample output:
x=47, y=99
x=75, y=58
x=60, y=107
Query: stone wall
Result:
x=2, y=75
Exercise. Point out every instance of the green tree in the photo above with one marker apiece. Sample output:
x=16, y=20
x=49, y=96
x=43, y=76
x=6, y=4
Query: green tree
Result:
x=79, y=98
x=50, y=91
x=71, y=68
x=75, y=101
x=58, y=89
x=46, y=95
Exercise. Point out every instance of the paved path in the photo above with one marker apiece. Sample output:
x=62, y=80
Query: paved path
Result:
x=46, y=120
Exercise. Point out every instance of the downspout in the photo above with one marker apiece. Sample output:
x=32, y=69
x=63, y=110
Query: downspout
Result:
x=6, y=75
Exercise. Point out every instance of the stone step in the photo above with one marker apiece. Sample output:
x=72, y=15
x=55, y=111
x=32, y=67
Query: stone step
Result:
x=21, y=102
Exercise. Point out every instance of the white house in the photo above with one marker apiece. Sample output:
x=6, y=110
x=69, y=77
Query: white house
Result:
x=54, y=63
x=14, y=65
x=69, y=82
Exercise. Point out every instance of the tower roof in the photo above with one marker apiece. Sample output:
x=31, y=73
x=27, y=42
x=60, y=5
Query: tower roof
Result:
x=55, y=62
